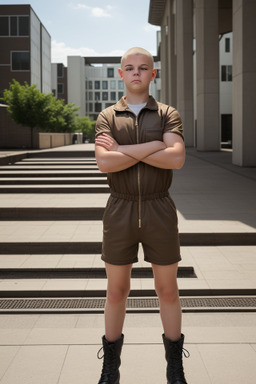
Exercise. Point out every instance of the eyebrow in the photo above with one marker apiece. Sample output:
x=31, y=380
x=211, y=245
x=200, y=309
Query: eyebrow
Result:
x=131, y=65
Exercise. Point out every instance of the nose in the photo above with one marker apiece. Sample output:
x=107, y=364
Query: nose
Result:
x=136, y=71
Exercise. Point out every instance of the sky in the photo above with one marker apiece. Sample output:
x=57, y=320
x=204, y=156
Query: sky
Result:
x=94, y=27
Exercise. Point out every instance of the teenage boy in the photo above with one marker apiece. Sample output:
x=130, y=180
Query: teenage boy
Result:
x=138, y=143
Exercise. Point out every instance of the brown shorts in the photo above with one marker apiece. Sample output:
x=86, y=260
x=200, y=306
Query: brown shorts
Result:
x=158, y=233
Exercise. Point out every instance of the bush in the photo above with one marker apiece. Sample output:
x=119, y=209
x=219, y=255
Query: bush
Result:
x=86, y=126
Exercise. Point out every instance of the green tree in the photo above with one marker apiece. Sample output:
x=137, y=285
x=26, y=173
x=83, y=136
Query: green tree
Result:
x=32, y=108
x=86, y=126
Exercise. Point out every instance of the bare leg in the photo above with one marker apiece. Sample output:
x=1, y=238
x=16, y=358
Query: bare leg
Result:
x=168, y=295
x=117, y=292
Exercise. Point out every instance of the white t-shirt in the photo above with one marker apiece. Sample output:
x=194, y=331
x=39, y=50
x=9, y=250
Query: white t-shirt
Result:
x=136, y=108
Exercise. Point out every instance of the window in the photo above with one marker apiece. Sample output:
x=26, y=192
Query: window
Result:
x=120, y=95
x=60, y=88
x=104, y=95
x=90, y=107
x=90, y=95
x=20, y=61
x=110, y=72
x=113, y=96
x=120, y=84
x=226, y=73
x=60, y=70
x=105, y=84
x=112, y=84
x=227, y=45
x=98, y=107
x=97, y=84
x=4, y=26
x=23, y=26
x=90, y=84
x=14, y=25
x=97, y=96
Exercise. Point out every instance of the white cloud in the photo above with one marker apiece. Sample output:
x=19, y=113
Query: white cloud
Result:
x=60, y=51
x=95, y=11
x=100, y=12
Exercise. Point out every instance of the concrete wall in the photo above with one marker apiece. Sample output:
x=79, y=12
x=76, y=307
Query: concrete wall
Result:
x=52, y=140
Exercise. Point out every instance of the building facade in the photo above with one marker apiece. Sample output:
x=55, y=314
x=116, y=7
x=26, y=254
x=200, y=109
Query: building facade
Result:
x=25, y=47
x=184, y=21
x=25, y=55
x=60, y=81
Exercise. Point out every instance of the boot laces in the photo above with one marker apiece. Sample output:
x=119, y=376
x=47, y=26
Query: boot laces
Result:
x=175, y=366
x=109, y=366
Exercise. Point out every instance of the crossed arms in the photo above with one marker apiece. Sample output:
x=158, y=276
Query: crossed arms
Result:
x=166, y=154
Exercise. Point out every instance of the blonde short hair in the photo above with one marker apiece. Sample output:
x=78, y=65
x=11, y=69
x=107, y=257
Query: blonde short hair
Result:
x=137, y=51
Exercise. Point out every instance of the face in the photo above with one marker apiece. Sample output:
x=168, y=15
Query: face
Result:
x=137, y=72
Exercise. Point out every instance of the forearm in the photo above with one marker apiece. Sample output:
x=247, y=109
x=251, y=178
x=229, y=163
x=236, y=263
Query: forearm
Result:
x=168, y=158
x=112, y=161
x=141, y=151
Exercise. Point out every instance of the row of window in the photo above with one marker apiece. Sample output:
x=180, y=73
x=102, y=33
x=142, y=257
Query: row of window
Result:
x=14, y=25
x=104, y=95
x=105, y=84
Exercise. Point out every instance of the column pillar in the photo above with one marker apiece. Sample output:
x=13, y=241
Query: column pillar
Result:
x=244, y=83
x=184, y=14
x=207, y=74
x=168, y=57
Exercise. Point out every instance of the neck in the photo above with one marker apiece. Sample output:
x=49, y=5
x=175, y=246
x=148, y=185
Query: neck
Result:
x=136, y=98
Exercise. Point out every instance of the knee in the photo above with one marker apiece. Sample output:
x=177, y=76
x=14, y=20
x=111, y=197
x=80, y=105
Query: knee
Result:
x=117, y=295
x=167, y=295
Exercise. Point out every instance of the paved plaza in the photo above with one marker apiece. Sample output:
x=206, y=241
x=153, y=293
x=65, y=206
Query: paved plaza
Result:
x=217, y=221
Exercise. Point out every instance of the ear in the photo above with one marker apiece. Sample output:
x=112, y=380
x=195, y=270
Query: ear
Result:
x=120, y=73
x=154, y=74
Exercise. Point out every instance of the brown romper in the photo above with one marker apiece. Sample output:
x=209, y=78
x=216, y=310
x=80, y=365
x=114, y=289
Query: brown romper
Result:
x=140, y=209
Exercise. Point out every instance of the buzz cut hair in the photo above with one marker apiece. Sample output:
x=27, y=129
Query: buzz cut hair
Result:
x=137, y=51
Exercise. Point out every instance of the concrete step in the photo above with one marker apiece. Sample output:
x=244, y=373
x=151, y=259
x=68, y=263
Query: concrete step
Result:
x=55, y=162
x=15, y=168
x=79, y=247
x=47, y=180
x=61, y=153
x=52, y=213
x=51, y=173
x=93, y=188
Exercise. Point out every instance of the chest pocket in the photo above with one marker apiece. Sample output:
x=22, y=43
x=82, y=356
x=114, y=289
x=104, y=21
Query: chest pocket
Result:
x=153, y=126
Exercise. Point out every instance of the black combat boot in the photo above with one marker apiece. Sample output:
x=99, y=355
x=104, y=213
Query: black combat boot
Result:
x=112, y=361
x=173, y=355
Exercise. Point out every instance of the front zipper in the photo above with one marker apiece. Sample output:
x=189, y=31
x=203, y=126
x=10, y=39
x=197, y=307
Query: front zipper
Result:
x=139, y=183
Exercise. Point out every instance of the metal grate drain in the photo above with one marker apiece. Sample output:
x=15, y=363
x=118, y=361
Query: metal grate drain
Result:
x=234, y=303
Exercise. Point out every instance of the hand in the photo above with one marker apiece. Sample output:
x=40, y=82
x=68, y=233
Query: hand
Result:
x=107, y=142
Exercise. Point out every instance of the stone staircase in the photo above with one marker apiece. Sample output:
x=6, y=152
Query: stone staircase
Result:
x=51, y=251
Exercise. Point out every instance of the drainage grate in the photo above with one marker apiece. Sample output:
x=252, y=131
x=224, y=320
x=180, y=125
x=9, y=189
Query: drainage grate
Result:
x=191, y=304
